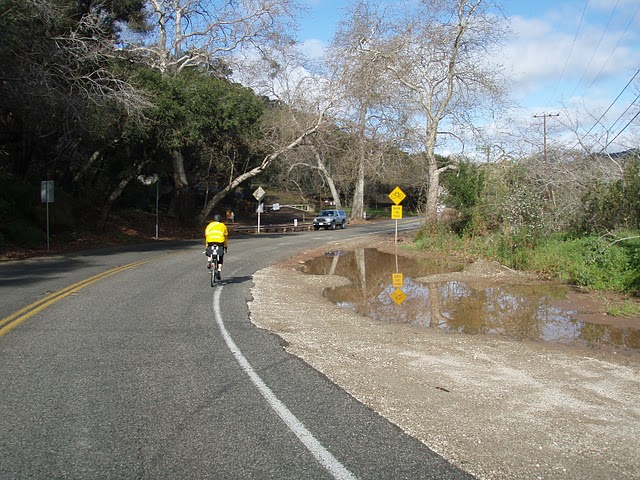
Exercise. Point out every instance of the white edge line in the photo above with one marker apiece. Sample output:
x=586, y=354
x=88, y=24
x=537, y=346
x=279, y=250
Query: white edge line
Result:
x=326, y=459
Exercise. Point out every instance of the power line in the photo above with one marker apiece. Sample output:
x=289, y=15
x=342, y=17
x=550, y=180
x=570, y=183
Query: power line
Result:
x=575, y=37
x=623, y=129
x=625, y=111
x=604, y=31
x=631, y=19
x=609, y=107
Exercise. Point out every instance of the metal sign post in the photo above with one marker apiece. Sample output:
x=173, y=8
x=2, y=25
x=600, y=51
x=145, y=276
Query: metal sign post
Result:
x=396, y=197
x=157, y=209
x=397, y=279
x=259, y=195
x=150, y=180
x=46, y=196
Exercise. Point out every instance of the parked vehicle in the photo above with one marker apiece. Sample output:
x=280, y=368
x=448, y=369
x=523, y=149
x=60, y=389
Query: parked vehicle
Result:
x=330, y=219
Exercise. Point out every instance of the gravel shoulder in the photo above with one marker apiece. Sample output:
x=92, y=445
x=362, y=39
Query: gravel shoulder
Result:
x=499, y=409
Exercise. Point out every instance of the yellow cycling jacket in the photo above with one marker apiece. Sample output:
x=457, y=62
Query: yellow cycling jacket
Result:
x=216, y=232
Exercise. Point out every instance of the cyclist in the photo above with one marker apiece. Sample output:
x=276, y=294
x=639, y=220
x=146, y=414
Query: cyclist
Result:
x=216, y=233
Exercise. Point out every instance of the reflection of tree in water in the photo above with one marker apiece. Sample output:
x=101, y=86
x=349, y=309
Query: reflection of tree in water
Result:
x=518, y=312
x=521, y=312
x=598, y=335
x=465, y=307
x=370, y=272
x=412, y=309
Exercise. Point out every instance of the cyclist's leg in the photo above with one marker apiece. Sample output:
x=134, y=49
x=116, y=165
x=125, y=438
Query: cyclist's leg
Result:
x=220, y=259
x=209, y=252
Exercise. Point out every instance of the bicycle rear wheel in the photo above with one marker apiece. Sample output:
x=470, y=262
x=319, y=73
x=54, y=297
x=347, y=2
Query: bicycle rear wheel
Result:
x=216, y=266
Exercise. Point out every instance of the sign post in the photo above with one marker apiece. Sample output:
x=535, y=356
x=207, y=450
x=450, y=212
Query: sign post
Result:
x=150, y=181
x=46, y=197
x=157, y=208
x=397, y=279
x=259, y=195
x=396, y=197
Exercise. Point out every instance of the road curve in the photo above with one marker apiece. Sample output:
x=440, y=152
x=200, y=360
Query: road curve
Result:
x=127, y=364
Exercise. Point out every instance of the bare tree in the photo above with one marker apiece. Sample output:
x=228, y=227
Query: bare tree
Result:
x=366, y=108
x=306, y=97
x=294, y=115
x=188, y=33
x=438, y=52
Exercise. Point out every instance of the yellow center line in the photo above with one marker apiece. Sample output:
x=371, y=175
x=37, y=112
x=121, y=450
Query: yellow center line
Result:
x=21, y=315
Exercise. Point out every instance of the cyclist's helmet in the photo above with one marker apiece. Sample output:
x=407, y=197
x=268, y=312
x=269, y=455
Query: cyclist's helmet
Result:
x=217, y=218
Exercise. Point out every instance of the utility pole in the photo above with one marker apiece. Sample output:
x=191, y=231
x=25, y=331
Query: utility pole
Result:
x=544, y=121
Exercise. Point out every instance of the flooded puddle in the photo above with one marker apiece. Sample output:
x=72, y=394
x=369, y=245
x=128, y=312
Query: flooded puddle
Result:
x=384, y=287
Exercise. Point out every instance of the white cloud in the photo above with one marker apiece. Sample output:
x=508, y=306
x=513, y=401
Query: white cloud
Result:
x=620, y=4
x=540, y=56
x=312, y=48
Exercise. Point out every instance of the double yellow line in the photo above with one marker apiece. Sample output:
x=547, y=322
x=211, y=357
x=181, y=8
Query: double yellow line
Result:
x=21, y=315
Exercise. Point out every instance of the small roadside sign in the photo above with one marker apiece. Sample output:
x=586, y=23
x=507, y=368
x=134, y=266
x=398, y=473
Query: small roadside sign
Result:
x=397, y=280
x=397, y=195
x=398, y=296
x=259, y=193
x=46, y=191
x=46, y=196
x=396, y=212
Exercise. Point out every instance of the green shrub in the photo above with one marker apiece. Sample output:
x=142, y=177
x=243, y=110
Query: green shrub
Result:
x=612, y=206
x=593, y=262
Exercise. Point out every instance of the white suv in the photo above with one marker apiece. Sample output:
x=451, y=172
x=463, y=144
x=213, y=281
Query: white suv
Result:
x=330, y=219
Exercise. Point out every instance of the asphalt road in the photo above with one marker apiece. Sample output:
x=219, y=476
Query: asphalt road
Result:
x=127, y=364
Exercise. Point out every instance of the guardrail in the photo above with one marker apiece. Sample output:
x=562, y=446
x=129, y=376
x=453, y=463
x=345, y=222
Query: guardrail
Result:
x=278, y=228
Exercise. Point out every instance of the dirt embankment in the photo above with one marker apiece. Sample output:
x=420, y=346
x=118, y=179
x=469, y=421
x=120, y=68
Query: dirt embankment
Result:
x=499, y=409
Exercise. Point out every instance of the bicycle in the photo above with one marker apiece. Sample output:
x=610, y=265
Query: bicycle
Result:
x=213, y=266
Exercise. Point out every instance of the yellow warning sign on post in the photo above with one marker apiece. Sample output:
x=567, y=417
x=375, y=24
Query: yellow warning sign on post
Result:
x=397, y=280
x=397, y=195
x=396, y=212
x=398, y=296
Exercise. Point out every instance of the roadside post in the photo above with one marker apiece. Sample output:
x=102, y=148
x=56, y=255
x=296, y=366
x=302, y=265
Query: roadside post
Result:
x=46, y=197
x=259, y=195
x=397, y=279
x=396, y=197
x=150, y=180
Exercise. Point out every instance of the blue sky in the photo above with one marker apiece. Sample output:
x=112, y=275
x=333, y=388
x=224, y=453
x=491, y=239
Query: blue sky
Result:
x=572, y=57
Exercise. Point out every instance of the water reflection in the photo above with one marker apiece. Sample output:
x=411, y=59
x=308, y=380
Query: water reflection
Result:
x=516, y=311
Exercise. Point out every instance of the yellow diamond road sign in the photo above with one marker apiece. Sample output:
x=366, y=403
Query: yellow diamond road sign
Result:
x=398, y=296
x=397, y=195
x=259, y=193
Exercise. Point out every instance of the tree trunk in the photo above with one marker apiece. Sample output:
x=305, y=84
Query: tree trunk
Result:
x=431, y=207
x=180, y=202
x=117, y=193
x=93, y=159
x=327, y=176
x=357, y=206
